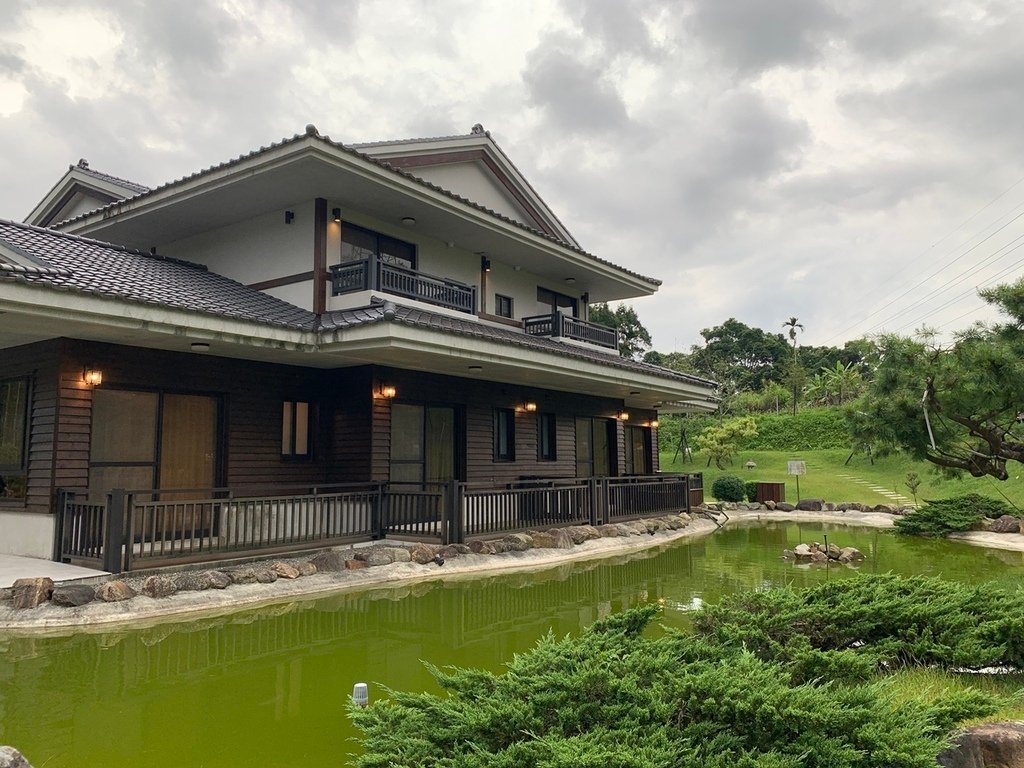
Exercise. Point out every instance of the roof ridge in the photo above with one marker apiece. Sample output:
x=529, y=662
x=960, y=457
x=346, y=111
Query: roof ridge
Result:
x=140, y=188
x=101, y=243
x=312, y=133
x=415, y=140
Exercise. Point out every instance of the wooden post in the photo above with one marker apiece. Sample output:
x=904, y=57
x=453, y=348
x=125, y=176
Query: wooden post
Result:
x=378, y=521
x=595, y=513
x=63, y=497
x=113, y=539
x=320, y=256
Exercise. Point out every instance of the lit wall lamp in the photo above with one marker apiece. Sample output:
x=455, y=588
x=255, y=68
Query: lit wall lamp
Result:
x=622, y=416
x=388, y=391
x=653, y=423
x=92, y=376
x=529, y=406
x=336, y=215
x=485, y=264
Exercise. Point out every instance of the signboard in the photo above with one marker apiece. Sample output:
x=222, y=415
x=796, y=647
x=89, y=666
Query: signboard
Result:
x=797, y=468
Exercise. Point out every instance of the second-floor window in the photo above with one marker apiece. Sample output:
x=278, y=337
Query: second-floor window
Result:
x=358, y=243
x=502, y=305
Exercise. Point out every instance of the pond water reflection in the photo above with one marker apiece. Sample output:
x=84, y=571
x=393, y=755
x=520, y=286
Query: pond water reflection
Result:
x=269, y=686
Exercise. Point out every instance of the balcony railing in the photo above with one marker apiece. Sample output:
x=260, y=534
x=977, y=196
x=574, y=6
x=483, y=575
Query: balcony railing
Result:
x=372, y=274
x=557, y=325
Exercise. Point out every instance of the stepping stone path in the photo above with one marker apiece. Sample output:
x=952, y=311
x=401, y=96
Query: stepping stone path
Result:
x=899, y=498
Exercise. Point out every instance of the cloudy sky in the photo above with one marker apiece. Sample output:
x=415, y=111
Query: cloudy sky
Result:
x=857, y=163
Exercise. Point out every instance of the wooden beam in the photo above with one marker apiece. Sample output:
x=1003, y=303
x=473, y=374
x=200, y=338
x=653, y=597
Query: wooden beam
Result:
x=320, y=256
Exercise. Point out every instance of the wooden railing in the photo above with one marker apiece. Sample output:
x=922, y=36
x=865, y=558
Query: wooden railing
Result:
x=371, y=274
x=151, y=528
x=558, y=325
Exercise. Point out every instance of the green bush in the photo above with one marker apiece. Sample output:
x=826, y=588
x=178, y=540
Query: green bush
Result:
x=813, y=429
x=617, y=697
x=957, y=513
x=750, y=488
x=728, y=488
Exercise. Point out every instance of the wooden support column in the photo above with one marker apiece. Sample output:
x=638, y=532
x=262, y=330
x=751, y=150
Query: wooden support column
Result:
x=320, y=256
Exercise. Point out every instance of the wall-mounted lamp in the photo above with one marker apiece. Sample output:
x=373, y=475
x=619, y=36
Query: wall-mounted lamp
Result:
x=388, y=391
x=199, y=346
x=336, y=215
x=408, y=221
x=622, y=416
x=653, y=423
x=485, y=264
x=529, y=406
x=92, y=376
x=289, y=217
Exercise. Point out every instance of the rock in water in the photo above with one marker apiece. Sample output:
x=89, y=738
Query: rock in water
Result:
x=29, y=593
x=12, y=758
x=993, y=745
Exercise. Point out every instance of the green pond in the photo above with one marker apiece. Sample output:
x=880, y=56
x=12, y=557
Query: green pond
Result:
x=269, y=687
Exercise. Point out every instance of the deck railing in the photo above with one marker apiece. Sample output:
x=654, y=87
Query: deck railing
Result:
x=151, y=528
x=371, y=274
x=558, y=325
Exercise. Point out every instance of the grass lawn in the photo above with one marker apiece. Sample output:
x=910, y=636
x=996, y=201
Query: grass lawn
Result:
x=825, y=470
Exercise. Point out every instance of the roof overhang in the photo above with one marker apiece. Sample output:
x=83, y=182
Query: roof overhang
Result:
x=310, y=166
x=76, y=180
x=30, y=313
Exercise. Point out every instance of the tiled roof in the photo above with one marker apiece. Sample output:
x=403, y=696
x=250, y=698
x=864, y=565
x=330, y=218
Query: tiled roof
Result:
x=134, y=187
x=311, y=132
x=387, y=311
x=89, y=266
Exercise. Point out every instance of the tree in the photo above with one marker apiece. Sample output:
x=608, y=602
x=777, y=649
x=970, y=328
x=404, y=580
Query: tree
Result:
x=739, y=357
x=834, y=386
x=634, y=339
x=796, y=375
x=959, y=406
x=722, y=441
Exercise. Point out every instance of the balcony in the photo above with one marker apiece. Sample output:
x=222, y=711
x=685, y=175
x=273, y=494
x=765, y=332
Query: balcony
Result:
x=372, y=274
x=556, y=325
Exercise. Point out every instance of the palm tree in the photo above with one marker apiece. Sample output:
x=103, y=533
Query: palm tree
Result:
x=793, y=323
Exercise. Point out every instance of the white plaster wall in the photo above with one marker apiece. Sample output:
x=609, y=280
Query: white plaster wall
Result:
x=26, y=533
x=522, y=287
x=255, y=250
x=299, y=294
x=476, y=183
x=79, y=203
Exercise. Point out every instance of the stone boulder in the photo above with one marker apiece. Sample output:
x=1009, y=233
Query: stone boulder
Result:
x=542, y=540
x=243, y=575
x=784, y=506
x=159, y=586
x=285, y=570
x=788, y=554
x=265, y=574
x=114, y=591
x=770, y=505
x=29, y=593
x=72, y=595
x=449, y=551
x=192, y=581
x=518, y=542
x=217, y=579
x=810, y=505
x=329, y=561
x=883, y=508
x=355, y=565
x=581, y=533
x=481, y=547
x=850, y=555
x=562, y=538
x=306, y=568
x=398, y=554
x=608, y=531
x=375, y=556
x=817, y=556
x=993, y=745
x=424, y=553
x=12, y=758
x=1005, y=524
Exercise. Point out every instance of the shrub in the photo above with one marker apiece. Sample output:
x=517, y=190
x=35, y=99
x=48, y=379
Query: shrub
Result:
x=957, y=513
x=728, y=488
x=750, y=488
x=812, y=429
x=617, y=697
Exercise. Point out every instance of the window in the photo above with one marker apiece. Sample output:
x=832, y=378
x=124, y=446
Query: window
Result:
x=358, y=243
x=295, y=429
x=546, y=431
x=594, y=441
x=13, y=437
x=502, y=305
x=504, y=434
x=557, y=302
x=638, y=450
x=422, y=443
